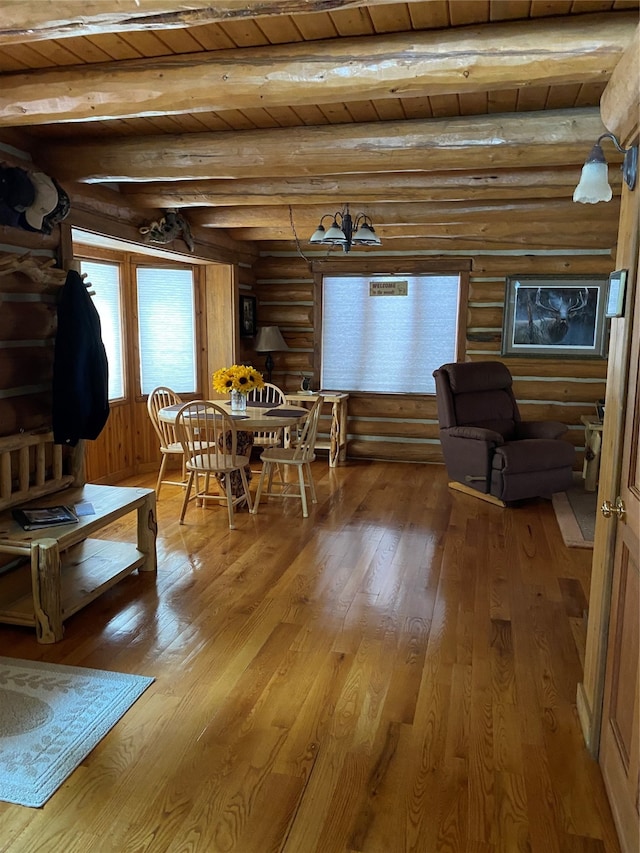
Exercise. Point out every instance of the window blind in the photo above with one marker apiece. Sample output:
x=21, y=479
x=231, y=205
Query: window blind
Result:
x=167, y=329
x=107, y=297
x=387, y=334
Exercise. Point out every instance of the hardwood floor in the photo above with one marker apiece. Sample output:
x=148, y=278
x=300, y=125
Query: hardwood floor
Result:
x=395, y=673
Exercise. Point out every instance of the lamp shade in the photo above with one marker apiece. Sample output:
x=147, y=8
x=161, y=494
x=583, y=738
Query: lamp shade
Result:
x=366, y=236
x=318, y=235
x=594, y=180
x=270, y=340
x=335, y=234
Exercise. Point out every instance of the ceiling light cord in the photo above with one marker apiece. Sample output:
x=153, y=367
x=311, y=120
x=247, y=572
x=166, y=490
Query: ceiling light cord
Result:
x=295, y=237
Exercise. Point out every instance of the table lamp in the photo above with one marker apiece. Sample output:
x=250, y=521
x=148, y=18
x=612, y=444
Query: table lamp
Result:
x=270, y=340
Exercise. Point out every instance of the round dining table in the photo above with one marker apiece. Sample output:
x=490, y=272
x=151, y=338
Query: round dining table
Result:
x=253, y=419
x=260, y=417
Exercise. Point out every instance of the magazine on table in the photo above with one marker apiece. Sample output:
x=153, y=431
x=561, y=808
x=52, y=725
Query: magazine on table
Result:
x=36, y=518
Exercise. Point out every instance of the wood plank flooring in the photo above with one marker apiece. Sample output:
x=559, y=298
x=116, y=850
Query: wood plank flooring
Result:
x=395, y=673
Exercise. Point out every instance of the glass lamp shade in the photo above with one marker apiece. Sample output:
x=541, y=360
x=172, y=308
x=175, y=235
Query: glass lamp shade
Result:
x=335, y=234
x=318, y=235
x=594, y=180
x=366, y=236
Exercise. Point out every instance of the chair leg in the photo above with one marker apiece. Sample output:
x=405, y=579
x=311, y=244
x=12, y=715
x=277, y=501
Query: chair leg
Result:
x=312, y=487
x=230, y=509
x=163, y=465
x=265, y=465
x=245, y=485
x=187, y=492
x=303, y=492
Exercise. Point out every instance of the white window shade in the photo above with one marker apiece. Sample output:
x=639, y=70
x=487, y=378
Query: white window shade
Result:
x=387, y=343
x=167, y=329
x=106, y=287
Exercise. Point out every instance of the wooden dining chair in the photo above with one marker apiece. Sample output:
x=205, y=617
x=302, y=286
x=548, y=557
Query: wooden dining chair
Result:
x=158, y=399
x=209, y=438
x=271, y=394
x=276, y=460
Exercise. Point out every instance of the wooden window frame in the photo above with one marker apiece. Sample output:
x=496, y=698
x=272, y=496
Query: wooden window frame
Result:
x=386, y=266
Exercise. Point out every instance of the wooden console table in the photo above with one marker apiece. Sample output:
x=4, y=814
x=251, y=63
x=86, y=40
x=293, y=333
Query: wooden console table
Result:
x=592, y=446
x=337, y=443
x=65, y=569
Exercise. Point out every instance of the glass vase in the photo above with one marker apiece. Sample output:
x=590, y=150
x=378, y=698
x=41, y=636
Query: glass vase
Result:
x=238, y=401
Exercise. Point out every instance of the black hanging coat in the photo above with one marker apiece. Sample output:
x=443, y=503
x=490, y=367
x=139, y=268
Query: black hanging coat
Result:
x=80, y=369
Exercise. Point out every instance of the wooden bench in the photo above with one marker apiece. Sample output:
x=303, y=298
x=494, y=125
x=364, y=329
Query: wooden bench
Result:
x=54, y=572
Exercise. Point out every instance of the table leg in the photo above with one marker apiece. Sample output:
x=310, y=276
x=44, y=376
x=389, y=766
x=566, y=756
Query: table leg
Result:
x=334, y=436
x=342, y=431
x=244, y=446
x=147, y=533
x=46, y=590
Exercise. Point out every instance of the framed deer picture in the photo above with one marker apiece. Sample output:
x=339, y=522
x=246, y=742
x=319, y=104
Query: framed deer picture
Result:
x=557, y=316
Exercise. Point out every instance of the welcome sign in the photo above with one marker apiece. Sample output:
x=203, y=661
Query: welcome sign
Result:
x=388, y=288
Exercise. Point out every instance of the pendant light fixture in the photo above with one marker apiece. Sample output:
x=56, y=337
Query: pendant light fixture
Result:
x=345, y=231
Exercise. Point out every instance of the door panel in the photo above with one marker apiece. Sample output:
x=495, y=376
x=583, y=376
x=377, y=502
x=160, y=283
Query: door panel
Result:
x=620, y=746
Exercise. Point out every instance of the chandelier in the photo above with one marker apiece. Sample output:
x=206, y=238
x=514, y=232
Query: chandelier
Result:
x=345, y=231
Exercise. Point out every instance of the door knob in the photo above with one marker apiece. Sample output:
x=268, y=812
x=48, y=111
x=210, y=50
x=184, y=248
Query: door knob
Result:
x=608, y=509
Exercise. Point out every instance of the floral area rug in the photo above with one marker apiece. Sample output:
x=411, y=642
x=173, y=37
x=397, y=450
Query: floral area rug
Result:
x=51, y=717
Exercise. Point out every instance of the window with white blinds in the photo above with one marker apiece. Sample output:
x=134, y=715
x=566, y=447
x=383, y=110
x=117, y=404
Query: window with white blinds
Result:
x=387, y=334
x=167, y=329
x=106, y=285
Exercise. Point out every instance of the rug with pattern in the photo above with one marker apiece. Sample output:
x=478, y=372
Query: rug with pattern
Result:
x=51, y=717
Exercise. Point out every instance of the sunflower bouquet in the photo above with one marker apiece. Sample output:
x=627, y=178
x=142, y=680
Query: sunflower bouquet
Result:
x=238, y=377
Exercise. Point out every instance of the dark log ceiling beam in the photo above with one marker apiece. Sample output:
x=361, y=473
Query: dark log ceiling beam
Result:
x=26, y=21
x=573, y=50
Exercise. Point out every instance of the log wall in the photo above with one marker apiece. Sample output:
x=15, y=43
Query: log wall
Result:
x=405, y=427
x=27, y=318
x=398, y=427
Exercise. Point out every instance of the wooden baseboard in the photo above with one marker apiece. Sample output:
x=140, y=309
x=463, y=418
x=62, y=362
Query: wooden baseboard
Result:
x=467, y=490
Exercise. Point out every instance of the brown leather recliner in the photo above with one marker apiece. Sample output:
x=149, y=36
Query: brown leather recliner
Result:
x=486, y=446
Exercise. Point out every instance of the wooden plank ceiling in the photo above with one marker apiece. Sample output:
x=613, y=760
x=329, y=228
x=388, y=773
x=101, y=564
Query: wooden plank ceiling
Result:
x=432, y=116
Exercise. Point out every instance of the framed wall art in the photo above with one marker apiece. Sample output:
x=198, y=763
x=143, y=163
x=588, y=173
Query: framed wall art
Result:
x=555, y=316
x=248, y=317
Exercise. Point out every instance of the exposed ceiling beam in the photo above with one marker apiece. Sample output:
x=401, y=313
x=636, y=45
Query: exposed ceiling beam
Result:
x=391, y=186
x=619, y=102
x=582, y=49
x=33, y=20
x=410, y=213
x=462, y=237
x=507, y=140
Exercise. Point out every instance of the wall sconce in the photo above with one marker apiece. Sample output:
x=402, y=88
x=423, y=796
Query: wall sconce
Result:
x=594, y=180
x=345, y=231
x=270, y=340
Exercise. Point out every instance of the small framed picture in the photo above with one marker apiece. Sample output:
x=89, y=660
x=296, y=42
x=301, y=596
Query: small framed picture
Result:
x=248, y=318
x=615, y=294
